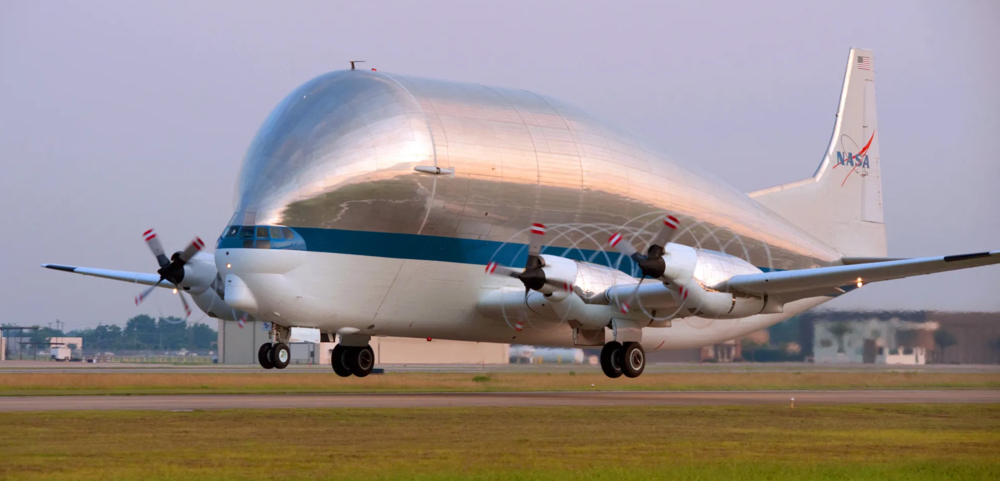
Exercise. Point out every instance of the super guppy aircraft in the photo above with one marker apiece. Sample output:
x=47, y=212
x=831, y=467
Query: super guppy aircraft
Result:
x=378, y=204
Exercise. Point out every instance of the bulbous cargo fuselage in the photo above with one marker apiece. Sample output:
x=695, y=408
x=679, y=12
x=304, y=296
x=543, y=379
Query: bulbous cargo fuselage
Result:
x=335, y=228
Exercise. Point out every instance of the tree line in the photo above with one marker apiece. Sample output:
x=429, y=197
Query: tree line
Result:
x=141, y=333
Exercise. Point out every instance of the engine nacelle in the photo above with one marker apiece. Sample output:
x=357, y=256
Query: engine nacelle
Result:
x=199, y=273
x=693, y=269
x=560, y=273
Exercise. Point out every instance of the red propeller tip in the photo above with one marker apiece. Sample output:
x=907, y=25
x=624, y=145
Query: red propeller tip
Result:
x=538, y=229
x=624, y=307
x=492, y=266
x=671, y=222
x=615, y=239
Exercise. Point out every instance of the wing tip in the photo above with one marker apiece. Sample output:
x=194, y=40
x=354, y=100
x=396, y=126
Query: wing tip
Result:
x=59, y=267
x=964, y=257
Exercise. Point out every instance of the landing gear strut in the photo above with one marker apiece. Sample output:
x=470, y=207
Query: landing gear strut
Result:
x=358, y=361
x=628, y=359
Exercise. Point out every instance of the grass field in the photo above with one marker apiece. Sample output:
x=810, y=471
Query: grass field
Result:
x=271, y=382
x=902, y=442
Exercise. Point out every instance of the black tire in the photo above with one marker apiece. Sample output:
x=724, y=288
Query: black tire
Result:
x=338, y=358
x=281, y=355
x=361, y=360
x=264, y=356
x=611, y=360
x=633, y=359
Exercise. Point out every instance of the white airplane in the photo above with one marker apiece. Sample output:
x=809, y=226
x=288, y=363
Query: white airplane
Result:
x=371, y=204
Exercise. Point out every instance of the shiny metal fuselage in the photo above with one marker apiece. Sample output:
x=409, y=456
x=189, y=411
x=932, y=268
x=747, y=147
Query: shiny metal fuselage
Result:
x=392, y=251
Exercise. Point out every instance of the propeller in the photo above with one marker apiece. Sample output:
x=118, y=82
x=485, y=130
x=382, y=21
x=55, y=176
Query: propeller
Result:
x=651, y=264
x=171, y=270
x=533, y=274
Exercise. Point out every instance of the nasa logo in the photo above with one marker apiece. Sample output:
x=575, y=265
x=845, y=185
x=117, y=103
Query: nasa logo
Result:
x=847, y=158
x=859, y=163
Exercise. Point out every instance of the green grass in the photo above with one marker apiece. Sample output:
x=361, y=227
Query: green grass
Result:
x=902, y=442
x=270, y=382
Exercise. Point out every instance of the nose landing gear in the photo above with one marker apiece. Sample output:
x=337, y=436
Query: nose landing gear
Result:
x=274, y=356
x=264, y=356
x=628, y=359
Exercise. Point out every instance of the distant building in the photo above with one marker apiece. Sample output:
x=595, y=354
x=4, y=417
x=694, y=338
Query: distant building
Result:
x=906, y=337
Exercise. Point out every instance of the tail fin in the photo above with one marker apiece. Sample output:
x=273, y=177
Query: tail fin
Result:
x=841, y=203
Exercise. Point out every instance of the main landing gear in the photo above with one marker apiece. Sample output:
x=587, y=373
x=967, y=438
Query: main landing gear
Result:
x=347, y=360
x=628, y=359
x=274, y=356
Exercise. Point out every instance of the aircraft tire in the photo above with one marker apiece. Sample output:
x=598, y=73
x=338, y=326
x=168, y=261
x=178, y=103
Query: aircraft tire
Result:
x=633, y=359
x=264, y=356
x=361, y=360
x=338, y=358
x=611, y=359
x=281, y=355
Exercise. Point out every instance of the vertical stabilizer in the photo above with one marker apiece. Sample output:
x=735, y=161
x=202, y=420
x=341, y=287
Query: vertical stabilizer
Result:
x=841, y=203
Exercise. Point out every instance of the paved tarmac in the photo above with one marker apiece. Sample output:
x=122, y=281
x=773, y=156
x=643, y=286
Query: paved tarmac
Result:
x=533, y=399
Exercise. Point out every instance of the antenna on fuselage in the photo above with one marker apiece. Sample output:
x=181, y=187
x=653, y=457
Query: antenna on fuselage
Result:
x=355, y=61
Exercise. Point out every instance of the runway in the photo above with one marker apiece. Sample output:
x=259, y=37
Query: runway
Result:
x=530, y=399
x=44, y=367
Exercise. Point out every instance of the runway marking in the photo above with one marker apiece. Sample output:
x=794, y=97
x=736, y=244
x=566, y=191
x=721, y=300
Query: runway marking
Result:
x=528, y=399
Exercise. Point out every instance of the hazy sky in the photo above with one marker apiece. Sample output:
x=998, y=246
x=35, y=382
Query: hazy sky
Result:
x=120, y=116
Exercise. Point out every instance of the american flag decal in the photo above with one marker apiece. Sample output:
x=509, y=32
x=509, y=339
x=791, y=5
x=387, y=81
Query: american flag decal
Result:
x=864, y=63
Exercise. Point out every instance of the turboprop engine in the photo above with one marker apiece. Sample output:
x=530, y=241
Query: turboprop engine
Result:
x=688, y=274
x=191, y=271
x=574, y=293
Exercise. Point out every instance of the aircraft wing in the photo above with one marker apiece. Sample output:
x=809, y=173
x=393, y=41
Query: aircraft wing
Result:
x=835, y=276
x=134, y=277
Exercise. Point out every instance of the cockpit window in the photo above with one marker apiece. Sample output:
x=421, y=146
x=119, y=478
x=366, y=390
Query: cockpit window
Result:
x=247, y=243
x=288, y=233
x=262, y=243
x=246, y=231
x=262, y=231
x=275, y=232
x=233, y=230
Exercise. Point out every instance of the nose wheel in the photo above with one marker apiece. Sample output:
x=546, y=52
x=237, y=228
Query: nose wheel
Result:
x=628, y=359
x=358, y=361
x=274, y=356
x=264, y=356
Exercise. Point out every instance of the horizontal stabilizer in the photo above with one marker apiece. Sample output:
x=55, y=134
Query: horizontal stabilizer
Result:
x=836, y=276
x=134, y=277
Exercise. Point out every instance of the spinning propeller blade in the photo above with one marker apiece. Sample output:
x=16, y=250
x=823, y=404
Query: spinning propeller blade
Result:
x=620, y=243
x=192, y=249
x=669, y=231
x=187, y=310
x=144, y=294
x=154, y=245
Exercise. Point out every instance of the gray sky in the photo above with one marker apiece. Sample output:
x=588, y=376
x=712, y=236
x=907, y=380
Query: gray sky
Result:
x=120, y=116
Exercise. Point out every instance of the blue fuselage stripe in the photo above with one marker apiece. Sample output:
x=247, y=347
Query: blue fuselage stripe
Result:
x=434, y=248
